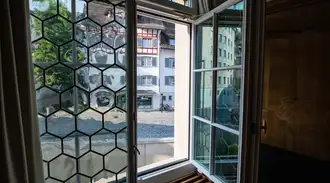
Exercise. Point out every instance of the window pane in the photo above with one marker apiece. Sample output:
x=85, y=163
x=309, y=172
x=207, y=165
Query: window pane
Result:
x=228, y=99
x=203, y=94
x=72, y=104
x=230, y=37
x=201, y=143
x=225, y=155
x=204, y=45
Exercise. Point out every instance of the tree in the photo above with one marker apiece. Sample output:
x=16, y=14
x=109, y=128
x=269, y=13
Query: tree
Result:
x=44, y=53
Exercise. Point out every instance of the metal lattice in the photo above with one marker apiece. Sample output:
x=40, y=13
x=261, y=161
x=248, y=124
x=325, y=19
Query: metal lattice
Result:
x=78, y=52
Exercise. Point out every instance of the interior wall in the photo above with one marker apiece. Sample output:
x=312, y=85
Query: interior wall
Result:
x=296, y=104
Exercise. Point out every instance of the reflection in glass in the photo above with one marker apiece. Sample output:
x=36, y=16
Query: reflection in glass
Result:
x=203, y=94
x=226, y=155
x=204, y=43
x=202, y=143
x=228, y=98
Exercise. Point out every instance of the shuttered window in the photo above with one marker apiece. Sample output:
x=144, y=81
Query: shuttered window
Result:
x=146, y=61
x=169, y=80
x=170, y=62
x=146, y=80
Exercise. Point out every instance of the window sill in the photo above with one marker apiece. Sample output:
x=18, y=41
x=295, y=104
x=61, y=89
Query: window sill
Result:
x=169, y=173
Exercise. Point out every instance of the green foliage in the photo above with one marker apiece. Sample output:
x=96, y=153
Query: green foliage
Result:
x=59, y=31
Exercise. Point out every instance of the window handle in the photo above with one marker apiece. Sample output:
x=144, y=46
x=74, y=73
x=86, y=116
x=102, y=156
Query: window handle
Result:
x=264, y=125
x=137, y=149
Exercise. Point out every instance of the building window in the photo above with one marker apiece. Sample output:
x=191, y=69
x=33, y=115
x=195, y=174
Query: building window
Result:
x=155, y=43
x=224, y=53
x=219, y=54
x=139, y=42
x=164, y=98
x=169, y=80
x=146, y=80
x=146, y=61
x=170, y=97
x=224, y=64
x=148, y=43
x=170, y=62
x=227, y=80
x=224, y=80
x=225, y=39
x=228, y=55
x=172, y=42
x=219, y=79
x=220, y=38
x=219, y=64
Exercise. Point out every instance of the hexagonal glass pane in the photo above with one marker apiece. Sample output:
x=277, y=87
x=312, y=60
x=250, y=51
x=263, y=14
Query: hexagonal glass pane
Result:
x=88, y=32
x=58, y=30
x=101, y=55
x=78, y=179
x=35, y=28
x=76, y=144
x=115, y=120
x=62, y=167
x=45, y=167
x=60, y=123
x=74, y=100
x=73, y=54
x=114, y=78
x=104, y=176
x=90, y=164
x=50, y=180
x=66, y=10
x=103, y=141
x=42, y=126
x=50, y=146
x=120, y=14
x=44, y=53
x=38, y=76
x=116, y=160
x=100, y=11
x=122, y=139
x=89, y=122
x=114, y=34
x=88, y=77
x=47, y=101
x=43, y=9
x=102, y=99
x=121, y=57
x=59, y=77
x=121, y=97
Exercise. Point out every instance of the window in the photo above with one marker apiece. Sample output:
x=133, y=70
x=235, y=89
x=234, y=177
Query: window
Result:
x=228, y=55
x=225, y=39
x=219, y=79
x=224, y=80
x=164, y=98
x=219, y=53
x=144, y=102
x=227, y=80
x=170, y=97
x=220, y=38
x=139, y=42
x=170, y=62
x=148, y=42
x=172, y=42
x=155, y=43
x=219, y=64
x=146, y=80
x=224, y=53
x=169, y=80
x=146, y=61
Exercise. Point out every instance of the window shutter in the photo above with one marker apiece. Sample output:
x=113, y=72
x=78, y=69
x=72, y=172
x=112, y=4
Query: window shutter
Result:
x=122, y=79
x=167, y=62
x=154, y=80
x=166, y=80
x=138, y=81
x=154, y=61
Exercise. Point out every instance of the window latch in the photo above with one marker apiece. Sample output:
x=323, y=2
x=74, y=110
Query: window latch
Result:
x=137, y=149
